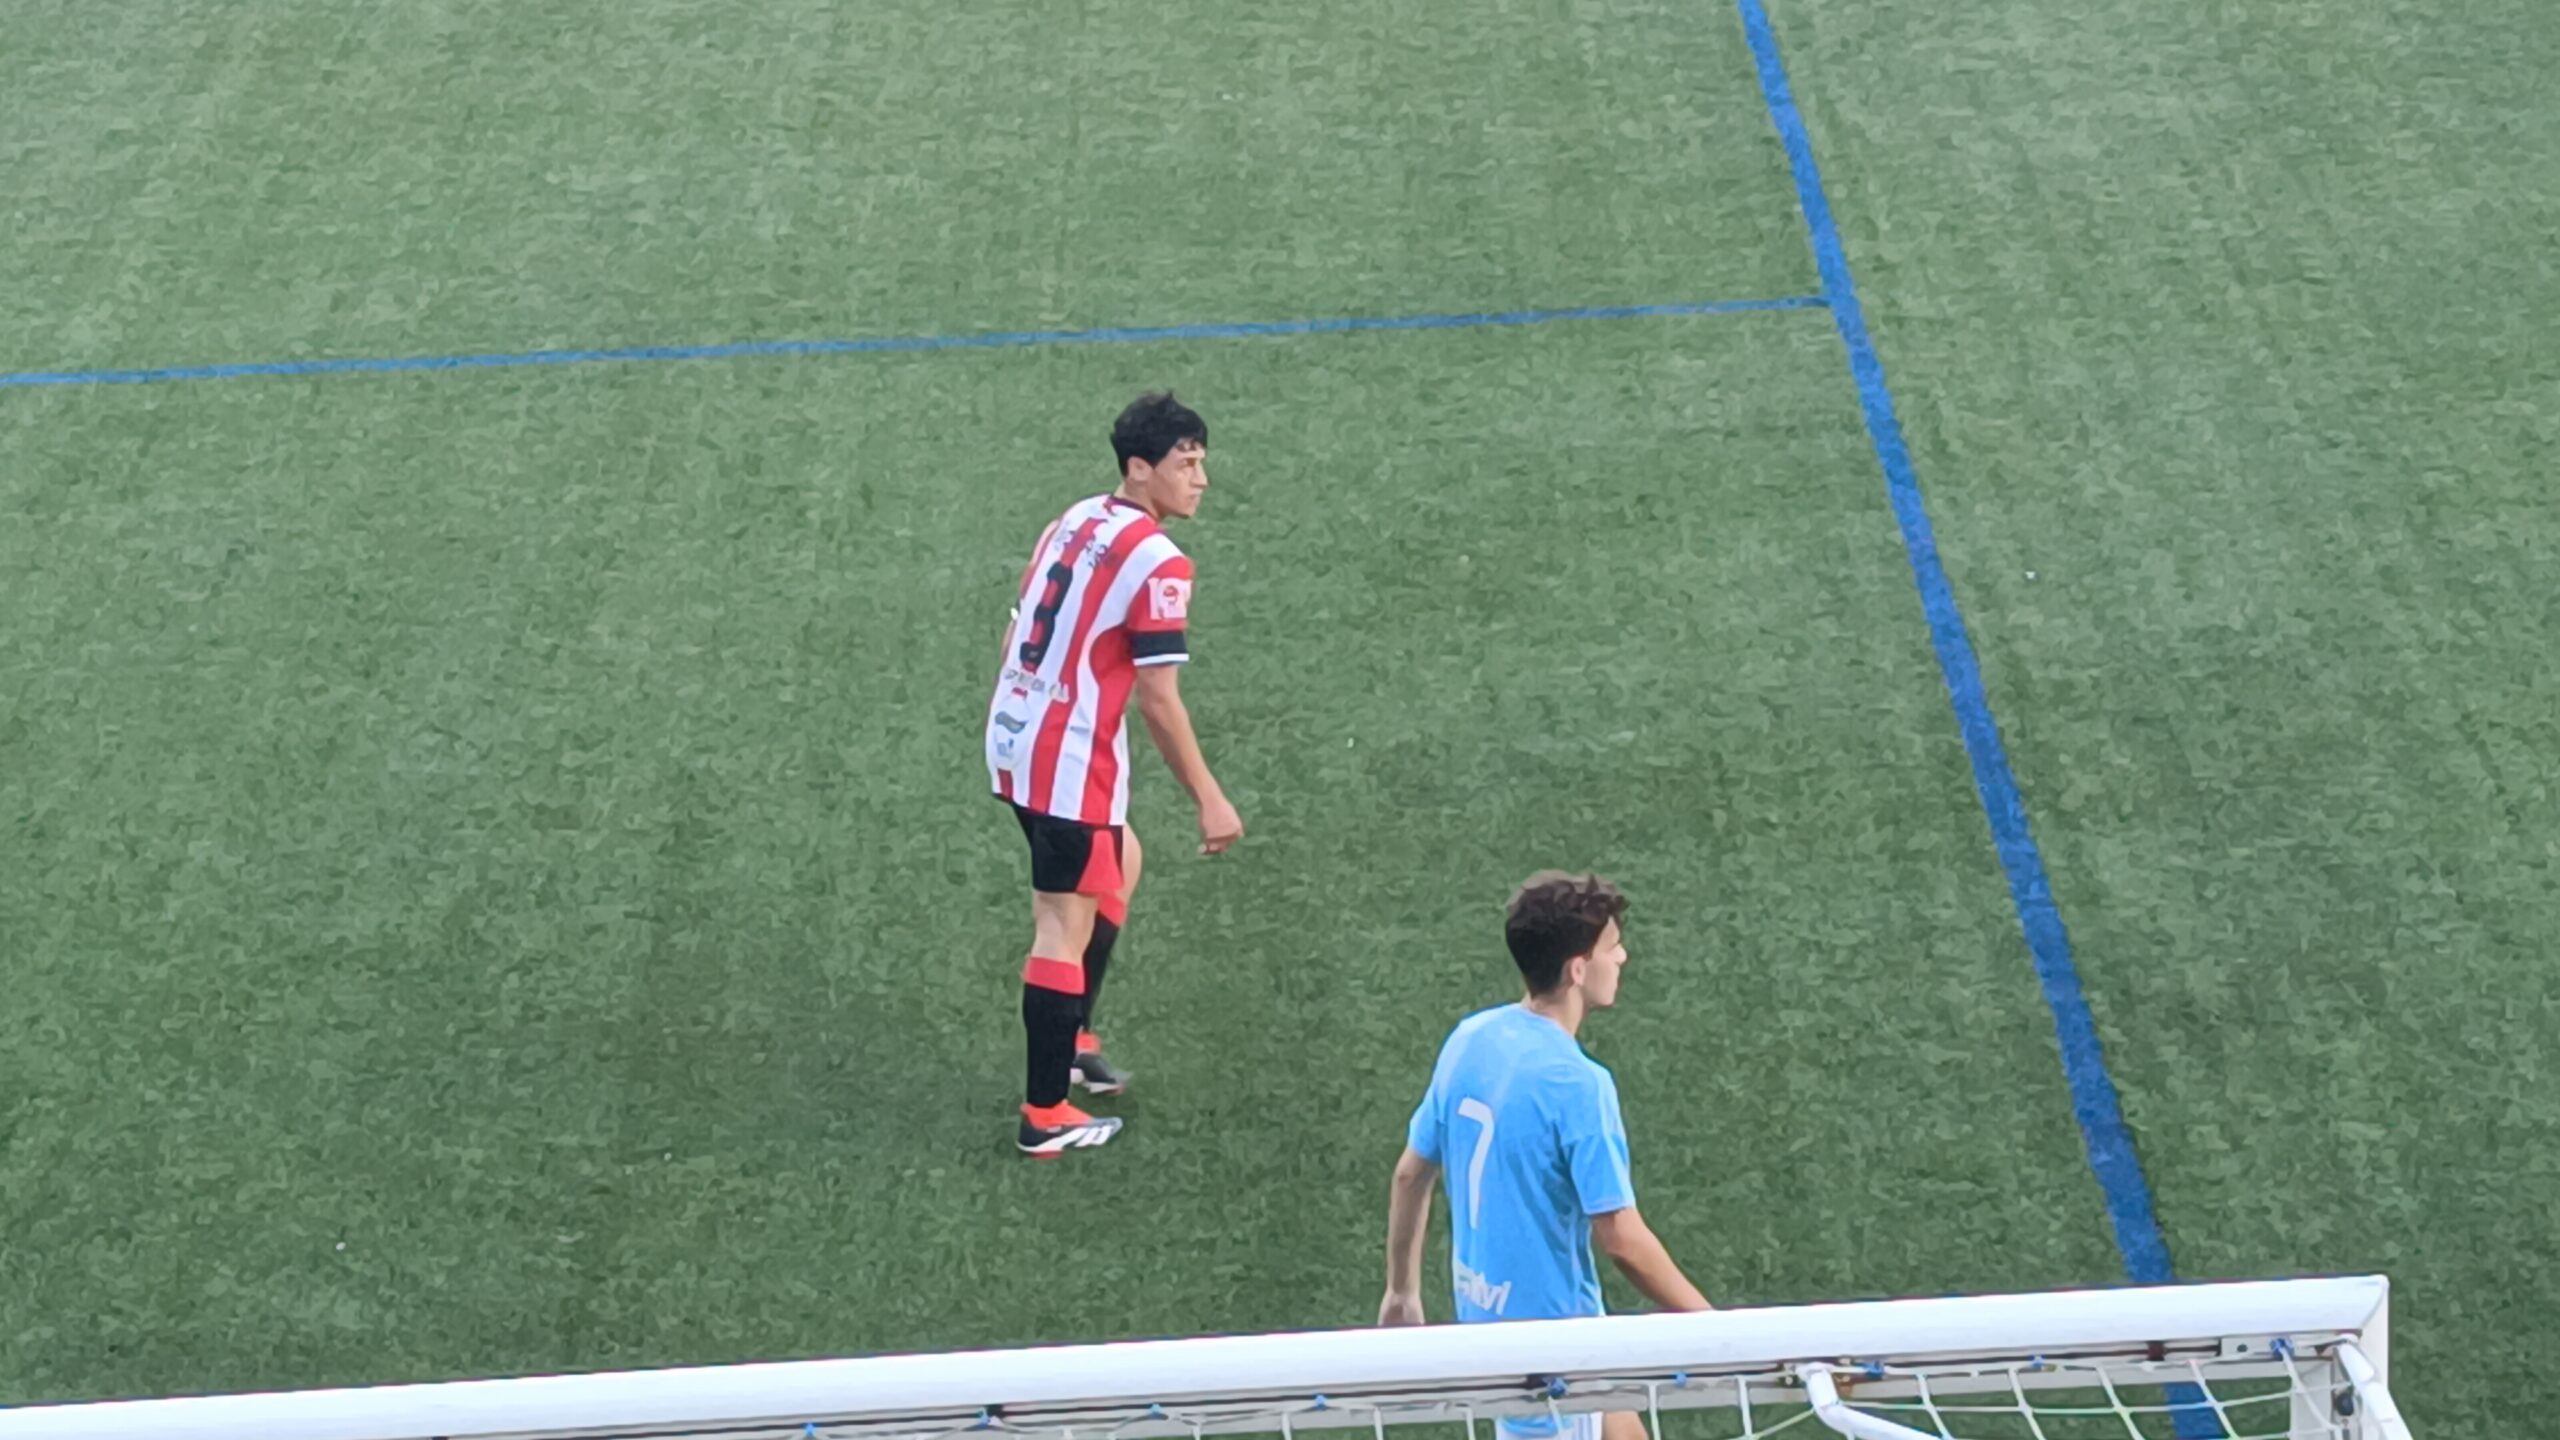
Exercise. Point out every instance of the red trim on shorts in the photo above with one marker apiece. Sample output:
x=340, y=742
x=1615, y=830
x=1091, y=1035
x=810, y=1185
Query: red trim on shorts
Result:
x=1101, y=878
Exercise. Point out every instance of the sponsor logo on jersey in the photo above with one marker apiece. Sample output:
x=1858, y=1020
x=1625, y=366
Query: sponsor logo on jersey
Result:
x=1478, y=1291
x=1026, y=684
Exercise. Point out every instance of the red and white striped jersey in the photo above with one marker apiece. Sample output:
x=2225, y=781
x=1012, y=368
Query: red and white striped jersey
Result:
x=1106, y=592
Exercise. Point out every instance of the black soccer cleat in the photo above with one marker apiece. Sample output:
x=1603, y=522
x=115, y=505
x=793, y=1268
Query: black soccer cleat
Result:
x=1098, y=1075
x=1062, y=1128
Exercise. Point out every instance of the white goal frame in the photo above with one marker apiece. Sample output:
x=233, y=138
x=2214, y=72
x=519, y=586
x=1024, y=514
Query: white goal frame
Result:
x=2327, y=1339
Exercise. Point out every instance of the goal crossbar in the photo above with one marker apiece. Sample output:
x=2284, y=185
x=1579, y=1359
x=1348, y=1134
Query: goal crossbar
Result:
x=1331, y=1379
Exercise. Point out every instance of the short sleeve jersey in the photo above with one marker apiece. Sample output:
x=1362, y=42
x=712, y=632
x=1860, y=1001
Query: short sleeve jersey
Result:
x=1106, y=593
x=1526, y=1129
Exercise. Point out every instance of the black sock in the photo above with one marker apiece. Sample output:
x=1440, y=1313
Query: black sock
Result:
x=1097, y=960
x=1049, y=1022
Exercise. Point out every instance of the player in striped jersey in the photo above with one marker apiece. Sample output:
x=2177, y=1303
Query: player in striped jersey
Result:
x=1100, y=616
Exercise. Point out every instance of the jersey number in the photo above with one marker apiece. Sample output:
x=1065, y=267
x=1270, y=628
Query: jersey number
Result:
x=1044, y=616
x=1482, y=1114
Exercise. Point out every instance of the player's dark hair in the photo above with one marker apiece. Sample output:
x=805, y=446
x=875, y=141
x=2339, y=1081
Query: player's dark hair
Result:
x=1553, y=917
x=1152, y=425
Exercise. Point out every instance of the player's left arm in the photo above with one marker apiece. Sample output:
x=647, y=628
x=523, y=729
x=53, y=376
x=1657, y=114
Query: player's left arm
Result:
x=1641, y=1256
x=1408, y=1212
x=1159, y=645
x=1605, y=1183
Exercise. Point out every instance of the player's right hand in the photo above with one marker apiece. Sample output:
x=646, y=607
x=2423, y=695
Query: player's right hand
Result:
x=1220, y=825
x=1400, y=1310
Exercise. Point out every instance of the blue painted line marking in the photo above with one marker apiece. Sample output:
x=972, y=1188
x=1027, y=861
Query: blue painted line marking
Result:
x=903, y=345
x=2093, y=1092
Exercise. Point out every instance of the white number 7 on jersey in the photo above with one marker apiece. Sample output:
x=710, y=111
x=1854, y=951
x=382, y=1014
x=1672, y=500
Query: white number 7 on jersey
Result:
x=1482, y=1114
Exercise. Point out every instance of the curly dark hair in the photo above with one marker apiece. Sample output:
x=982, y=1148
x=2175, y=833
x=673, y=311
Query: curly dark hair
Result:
x=1553, y=917
x=1152, y=425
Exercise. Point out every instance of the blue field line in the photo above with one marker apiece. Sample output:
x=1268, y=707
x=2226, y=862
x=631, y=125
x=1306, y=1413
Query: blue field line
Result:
x=906, y=344
x=2093, y=1092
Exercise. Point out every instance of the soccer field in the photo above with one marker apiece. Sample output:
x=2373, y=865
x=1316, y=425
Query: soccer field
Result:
x=494, y=867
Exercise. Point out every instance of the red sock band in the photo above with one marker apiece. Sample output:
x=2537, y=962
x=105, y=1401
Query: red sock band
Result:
x=1064, y=976
x=1112, y=908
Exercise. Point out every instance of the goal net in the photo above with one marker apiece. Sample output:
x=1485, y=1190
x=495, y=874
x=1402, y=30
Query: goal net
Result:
x=2295, y=1359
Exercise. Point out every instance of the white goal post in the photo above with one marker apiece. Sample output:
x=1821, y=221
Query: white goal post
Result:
x=2289, y=1358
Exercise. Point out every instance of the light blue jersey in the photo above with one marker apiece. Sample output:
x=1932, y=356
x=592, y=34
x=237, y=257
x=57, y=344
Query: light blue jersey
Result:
x=1526, y=1129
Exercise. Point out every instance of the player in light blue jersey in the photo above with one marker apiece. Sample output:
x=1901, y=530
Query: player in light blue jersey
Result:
x=1527, y=1128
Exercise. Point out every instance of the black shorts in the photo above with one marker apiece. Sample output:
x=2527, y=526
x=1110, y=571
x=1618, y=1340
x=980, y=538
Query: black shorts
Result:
x=1069, y=857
